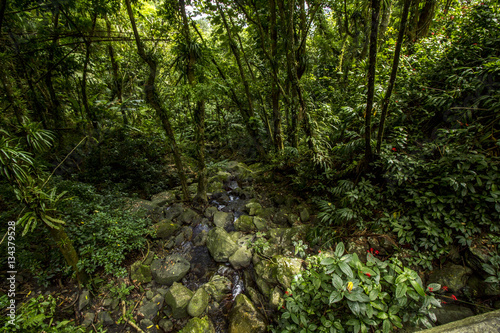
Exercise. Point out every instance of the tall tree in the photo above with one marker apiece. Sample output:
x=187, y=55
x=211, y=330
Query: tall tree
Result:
x=392, y=79
x=153, y=100
x=375, y=9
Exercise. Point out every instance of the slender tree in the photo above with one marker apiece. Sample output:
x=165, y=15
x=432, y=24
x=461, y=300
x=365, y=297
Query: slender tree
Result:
x=153, y=100
x=375, y=9
x=392, y=79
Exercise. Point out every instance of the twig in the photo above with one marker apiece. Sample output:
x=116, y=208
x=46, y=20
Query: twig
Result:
x=124, y=310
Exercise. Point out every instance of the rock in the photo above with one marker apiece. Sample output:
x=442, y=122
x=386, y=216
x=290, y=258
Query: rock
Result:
x=140, y=273
x=358, y=246
x=281, y=218
x=148, y=326
x=210, y=211
x=201, y=238
x=165, y=229
x=88, y=319
x=178, y=298
x=173, y=211
x=143, y=208
x=166, y=325
x=150, y=294
x=218, y=287
x=241, y=258
x=293, y=219
x=188, y=217
x=276, y=299
x=104, y=318
x=222, y=176
x=170, y=269
x=486, y=323
x=451, y=312
x=149, y=259
x=479, y=288
x=244, y=317
x=286, y=269
x=179, y=239
x=163, y=198
x=304, y=215
x=221, y=219
x=150, y=310
x=83, y=300
x=198, y=303
x=107, y=302
x=188, y=232
x=477, y=256
x=198, y=325
x=244, y=223
x=259, y=223
x=453, y=276
x=254, y=208
x=215, y=186
x=263, y=286
x=266, y=270
x=220, y=244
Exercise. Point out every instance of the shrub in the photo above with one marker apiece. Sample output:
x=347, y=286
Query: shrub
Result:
x=339, y=293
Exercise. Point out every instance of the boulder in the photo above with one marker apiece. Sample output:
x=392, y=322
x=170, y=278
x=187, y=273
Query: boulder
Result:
x=140, y=273
x=218, y=287
x=244, y=317
x=222, y=176
x=170, y=269
x=178, y=297
x=451, y=275
x=149, y=310
x=451, y=312
x=286, y=269
x=173, y=212
x=166, y=325
x=188, y=217
x=143, y=208
x=163, y=198
x=244, y=223
x=165, y=229
x=276, y=299
x=104, y=318
x=241, y=258
x=220, y=244
x=83, y=300
x=221, y=219
x=210, y=211
x=198, y=325
x=148, y=326
x=304, y=215
x=254, y=208
x=88, y=319
x=259, y=223
x=198, y=303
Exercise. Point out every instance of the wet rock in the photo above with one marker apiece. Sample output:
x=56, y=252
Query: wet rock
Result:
x=148, y=326
x=140, y=273
x=276, y=299
x=198, y=303
x=477, y=256
x=173, y=212
x=244, y=223
x=198, y=325
x=88, y=319
x=178, y=298
x=163, y=198
x=165, y=229
x=450, y=313
x=358, y=246
x=221, y=219
x=304, y=215
x=166, y=325
x=218, y=287
x=170, y=269
x=286, y=269
x=83, y=300
x=220, y=244
x=254, y=208
x=149, y=310
x=259, y=223
x=210, y=211
x=241, y=258
x=244, y=317
x=263, y=286
x=188, y=232
x=201, y=238
x=188, y=217
x=179, y=239
x=104, y=318
x=266, y=269
x=451, y=275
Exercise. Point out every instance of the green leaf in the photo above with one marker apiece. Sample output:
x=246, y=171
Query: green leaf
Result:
x=418, y=288
x=373, y=294
x=382, y=315
x=401, y=290
x=337, y=282
x=335, y=296
x=339, y=250
x=401, y=278
x=327, y=261
x=316, y=283
x=346, y=269
x=354, y=306
x=386, y=326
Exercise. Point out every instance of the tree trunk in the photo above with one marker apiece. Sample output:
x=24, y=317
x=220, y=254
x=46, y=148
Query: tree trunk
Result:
x=392, y=80
x=199, y=111
x=68, y=251
x=248, y=115
x=275, y=93
x=386, y=17
x=117, y=82
x=153, y=101
x=88, y=110
x=371, y=79
x=3, y=5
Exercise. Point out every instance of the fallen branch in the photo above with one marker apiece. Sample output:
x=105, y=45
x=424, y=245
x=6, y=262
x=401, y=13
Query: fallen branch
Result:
x=124, y=310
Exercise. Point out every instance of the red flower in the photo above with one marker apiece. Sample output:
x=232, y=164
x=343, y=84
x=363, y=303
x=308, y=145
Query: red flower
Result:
x=286, y=292
x=445, y=288
x=444, y=302
x=431, y=289
x=454, y=297
x=432, y=33
x=474, y=44
x=376, y=252
x=371, y=250
x=319, y=251
x=368, y=274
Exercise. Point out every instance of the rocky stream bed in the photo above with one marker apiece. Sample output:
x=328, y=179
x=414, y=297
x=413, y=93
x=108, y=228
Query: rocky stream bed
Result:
x=225, y=268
